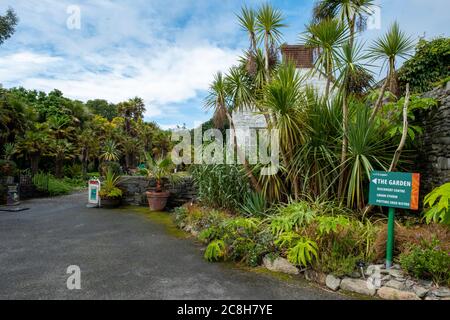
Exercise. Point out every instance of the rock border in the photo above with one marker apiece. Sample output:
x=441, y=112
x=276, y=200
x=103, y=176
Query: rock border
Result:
x=377, y=281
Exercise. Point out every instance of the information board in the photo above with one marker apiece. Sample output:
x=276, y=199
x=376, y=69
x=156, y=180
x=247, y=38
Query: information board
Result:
x=394, y=189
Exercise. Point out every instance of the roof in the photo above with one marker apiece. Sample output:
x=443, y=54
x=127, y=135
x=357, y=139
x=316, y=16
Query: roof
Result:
x=301, y=55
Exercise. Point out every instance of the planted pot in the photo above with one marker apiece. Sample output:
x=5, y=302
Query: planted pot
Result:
x=157, y=201
x=110, y=203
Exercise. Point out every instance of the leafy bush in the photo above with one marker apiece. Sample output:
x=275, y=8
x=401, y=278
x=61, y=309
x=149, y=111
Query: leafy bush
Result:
x=438, y=203
x=109, y=189
x=319, y=234
x=110, y=165
x=428, y=261
x=73, y=171
x=255, y=205
x=429, y=65
x=7, y=168
x=215, y=251
x=220, y=186
x=48, y=184
x=292, y=217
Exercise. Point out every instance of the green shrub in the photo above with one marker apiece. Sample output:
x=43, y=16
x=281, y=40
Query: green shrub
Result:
x=110, y=165
x=292, y=216
x=429, y=64
x=220, y=186
x=338, y=264
x=7, y=168
x=48, y=184
x=215, y=251
x=438, y=202
x=109, y=189
x=91, y=175
x=255, y=205
x=73, y=171
x=427, y=261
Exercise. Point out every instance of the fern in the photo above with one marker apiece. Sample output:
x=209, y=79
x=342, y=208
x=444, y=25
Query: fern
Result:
x=292, y=217
x=438, y=201
x=246, y=224
x=286, y=239
x=215, y=251
x=208, y=234
x=303, y=253
x=327, y=224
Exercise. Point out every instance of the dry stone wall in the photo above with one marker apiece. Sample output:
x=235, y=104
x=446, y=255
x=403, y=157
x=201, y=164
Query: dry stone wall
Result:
x=434, y=157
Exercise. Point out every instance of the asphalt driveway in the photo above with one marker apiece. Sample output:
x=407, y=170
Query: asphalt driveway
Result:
x=122, y=254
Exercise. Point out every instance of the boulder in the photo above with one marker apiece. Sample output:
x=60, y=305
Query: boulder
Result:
x=333, y=282
x=394, y=294
x=442, y=292
x=279, y=265
x=420, y=291
x=315, y=276
x=373, y=268
x=395, y=284
x=358, y=286
x=396, y=273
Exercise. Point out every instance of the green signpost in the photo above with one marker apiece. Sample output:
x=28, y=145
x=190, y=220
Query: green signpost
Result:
x=394, y=190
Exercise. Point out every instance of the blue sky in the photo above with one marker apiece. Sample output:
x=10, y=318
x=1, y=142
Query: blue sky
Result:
x=163, y=51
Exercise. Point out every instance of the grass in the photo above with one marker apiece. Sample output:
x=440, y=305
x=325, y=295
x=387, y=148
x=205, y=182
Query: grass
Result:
x=162, y=218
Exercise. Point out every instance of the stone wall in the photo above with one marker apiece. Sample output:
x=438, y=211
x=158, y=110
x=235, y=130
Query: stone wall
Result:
x=135, y=187
x=434, y=156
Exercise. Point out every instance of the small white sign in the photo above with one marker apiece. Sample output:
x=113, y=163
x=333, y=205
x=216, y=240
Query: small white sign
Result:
x=94, y=189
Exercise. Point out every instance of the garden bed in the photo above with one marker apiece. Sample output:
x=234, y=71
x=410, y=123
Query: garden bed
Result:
x=327, y=248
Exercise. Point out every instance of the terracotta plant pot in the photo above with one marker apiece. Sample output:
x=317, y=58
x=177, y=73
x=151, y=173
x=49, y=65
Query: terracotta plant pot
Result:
x=110, y=203
x=157, y=200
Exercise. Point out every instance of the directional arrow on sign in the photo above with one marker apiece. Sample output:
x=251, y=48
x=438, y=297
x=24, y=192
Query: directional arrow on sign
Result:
x=374, y=181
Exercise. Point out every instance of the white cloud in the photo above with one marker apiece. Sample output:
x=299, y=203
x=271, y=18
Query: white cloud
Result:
x=168, y=76
x=121, y=51
x=20, y=65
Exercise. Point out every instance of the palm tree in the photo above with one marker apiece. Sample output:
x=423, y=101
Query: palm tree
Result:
x=394, y=44
x=61, y=150
x=89, y=142
x=268, y=25
x=33, y=144
x=351, y=12
x=283, y=97
x=350, y=60
x=9, y=149
x=110, y=151
x=225, y=95
x=247, y=20
x=326, y=36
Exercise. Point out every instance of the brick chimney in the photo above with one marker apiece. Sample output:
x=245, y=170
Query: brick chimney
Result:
x=302, y=56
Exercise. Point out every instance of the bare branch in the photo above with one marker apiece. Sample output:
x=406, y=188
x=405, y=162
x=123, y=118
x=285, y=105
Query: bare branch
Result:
x=379, y=100
x=404, y=133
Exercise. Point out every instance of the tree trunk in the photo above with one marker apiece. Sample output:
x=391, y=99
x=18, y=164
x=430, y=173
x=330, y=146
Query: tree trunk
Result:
x=344, y=145
x=84, y=162
x=58, y=168
x=34, y=162
x=393, y=85
x=266, y=45
x=329, y=75
x=401, y=145
x=379, y=102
